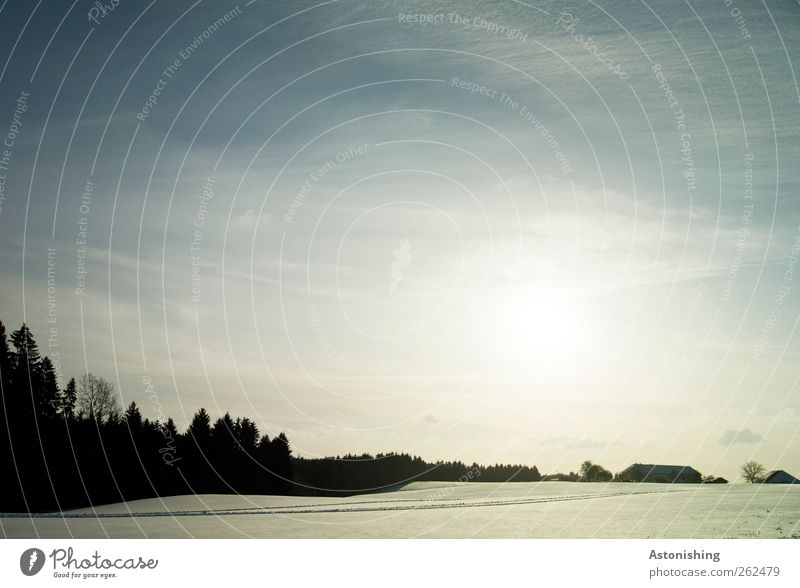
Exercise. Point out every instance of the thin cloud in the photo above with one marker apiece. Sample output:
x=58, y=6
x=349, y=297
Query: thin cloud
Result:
x=745, y=437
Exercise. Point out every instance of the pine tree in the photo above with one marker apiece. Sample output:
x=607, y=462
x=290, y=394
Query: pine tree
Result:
x=133, y=417
x=68, y=397
x=5, y=356
x=25, y=371
x=46, y=395
x=222, y=434
x=264, y=452
x=200, y=428
x=246, y=433
x=5, y=372
x=27, y=356
x=282, y=458
x=169, y=429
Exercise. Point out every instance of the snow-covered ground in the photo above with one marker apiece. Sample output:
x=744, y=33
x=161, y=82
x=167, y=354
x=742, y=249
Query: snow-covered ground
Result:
x=430, y=509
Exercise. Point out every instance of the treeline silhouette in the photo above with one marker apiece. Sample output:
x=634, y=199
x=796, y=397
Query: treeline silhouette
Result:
x=73, y=446
x=364, y=473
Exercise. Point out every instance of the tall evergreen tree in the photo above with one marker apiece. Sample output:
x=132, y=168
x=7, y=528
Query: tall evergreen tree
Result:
x=133, y=417
x=5, y=356
x=46, y=396
x=27, y=351
x=222, y=434
x=281, y=458
x=25, y=371
x=200, y=428
x=5, y=373
x=246, y=433
x=68, y=398
x=169, y=429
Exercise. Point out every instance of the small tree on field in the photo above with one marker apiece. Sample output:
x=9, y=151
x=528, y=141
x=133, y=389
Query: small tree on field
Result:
x=752, y=471
x=595, y=473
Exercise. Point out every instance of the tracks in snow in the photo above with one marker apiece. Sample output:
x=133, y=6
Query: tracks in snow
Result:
x=402, y=504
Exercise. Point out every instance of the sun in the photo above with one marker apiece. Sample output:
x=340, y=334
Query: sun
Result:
x=537, y=327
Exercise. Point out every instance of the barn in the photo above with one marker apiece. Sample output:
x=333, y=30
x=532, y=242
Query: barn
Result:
x=779, y=477
x=666, y=474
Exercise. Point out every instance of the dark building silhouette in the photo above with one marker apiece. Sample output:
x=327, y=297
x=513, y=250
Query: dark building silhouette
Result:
x=666, y=474
x=778, y=477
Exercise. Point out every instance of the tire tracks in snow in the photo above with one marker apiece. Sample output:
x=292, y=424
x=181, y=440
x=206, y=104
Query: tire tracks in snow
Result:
x=340, y=507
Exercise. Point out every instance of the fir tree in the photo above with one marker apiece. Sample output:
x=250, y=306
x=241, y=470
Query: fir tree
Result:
x=27, y=356
x=133, y=417
x=5, y=356
x=68, y=398
x=46, y=395
x=5, y=372
x=25, y=372
x=222, y=434
x=246, y=433
x=200, y=428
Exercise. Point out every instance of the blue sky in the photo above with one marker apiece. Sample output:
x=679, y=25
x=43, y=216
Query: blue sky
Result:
x=424, y=236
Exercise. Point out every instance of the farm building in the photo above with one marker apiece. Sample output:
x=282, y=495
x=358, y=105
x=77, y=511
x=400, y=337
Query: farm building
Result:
x=668, y=474
x=779, y=477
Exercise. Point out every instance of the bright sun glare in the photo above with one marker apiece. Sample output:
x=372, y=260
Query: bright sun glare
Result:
x=537, y=327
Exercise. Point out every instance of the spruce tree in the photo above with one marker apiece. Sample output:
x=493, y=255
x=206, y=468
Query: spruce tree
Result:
x=25, y=371
x=133, y=417
x=5, y=372
x=46, y=395
x=200, y=429
x=169, y=429
x=246, y=433
x=5, y=356
x=27, y=351
x=68, y=398
x=222, y=434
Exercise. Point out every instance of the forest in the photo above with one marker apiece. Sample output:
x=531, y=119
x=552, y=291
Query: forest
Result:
x=72, y=445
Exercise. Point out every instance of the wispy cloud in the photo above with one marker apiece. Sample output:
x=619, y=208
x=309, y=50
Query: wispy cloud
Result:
x=744, y=436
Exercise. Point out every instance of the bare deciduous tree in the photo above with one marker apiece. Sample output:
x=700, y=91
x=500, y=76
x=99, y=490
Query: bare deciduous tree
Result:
x=752, y=471
x=96, y=398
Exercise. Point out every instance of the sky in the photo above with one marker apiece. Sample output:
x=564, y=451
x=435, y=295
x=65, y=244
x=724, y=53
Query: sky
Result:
x=490, y=231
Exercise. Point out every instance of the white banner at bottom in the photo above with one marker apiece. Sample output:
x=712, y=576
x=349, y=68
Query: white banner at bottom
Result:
x=412, y=562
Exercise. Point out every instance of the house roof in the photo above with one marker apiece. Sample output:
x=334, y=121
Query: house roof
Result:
x=660, y=469
x=769, y=475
